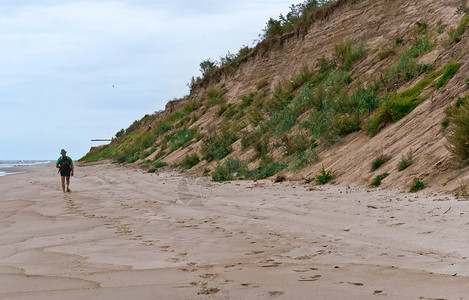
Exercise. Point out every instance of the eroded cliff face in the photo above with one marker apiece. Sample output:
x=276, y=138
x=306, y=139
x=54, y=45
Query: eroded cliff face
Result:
x=375, y=25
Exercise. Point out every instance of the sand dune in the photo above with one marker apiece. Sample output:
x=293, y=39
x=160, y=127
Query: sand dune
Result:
x=124, y=234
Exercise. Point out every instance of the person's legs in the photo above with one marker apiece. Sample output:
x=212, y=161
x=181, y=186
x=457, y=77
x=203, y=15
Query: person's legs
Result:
x=62, y=178
x=68, y=183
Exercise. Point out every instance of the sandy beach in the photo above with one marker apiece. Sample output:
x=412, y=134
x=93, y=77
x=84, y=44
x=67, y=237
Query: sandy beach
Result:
x=125, y=234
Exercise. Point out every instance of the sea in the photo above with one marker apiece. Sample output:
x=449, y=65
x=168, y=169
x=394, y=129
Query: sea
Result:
x=6, y=164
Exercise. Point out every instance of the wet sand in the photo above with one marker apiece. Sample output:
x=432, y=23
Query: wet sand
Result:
x=13, y=170
x=125, y=234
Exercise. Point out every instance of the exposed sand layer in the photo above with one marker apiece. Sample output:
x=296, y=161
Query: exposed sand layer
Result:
x=123, y=234
x=376, y=24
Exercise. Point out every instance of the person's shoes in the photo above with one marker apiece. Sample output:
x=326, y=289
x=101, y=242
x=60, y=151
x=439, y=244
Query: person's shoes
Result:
x=69, y=190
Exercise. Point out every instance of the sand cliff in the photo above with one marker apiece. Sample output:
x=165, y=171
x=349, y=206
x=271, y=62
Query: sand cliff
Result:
x=374, y=24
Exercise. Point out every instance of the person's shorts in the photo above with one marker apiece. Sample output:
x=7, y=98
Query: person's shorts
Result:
x=65, y=172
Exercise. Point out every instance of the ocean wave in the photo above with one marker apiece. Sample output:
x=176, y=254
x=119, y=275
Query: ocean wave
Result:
x=17, y=163
x=3, y=173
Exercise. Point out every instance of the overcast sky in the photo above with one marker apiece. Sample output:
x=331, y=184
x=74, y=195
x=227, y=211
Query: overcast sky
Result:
x=59, y=61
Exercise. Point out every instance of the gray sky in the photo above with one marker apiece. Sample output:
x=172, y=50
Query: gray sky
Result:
x=59, y=61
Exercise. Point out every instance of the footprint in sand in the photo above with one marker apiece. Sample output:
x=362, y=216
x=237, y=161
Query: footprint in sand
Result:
x=270, y=263
x=248, y=284
x=276, y=293
x=396, y=224
x=304, y=257
x=173, y=259
x=379, y=292
x=253, y=252
x=301, y=270
x=148, y=243
x=208, y=291
x=187, y=270
x=165, y=248
x=230, y=266
x=305, y=270
x=356, y=283
x=209, y=276
x=310, y=278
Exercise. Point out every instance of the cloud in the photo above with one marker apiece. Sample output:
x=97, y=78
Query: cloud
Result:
x=69, y=54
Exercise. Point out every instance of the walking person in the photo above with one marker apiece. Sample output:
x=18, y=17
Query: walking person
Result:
x=65, y=166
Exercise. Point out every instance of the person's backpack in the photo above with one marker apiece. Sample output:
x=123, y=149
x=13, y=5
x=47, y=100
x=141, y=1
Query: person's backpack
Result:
x=65, y=163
